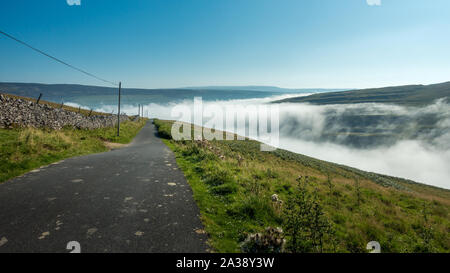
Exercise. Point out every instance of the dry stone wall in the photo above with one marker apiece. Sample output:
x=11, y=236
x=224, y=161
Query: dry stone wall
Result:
x=23, y=113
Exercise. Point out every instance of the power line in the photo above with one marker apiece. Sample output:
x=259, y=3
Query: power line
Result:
x=58, y=60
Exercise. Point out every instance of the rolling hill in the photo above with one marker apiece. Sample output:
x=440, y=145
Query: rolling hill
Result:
x=413, y=95
x=267, y=89
x=92, y=96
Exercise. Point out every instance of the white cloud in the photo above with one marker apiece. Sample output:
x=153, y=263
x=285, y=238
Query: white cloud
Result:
x=373, y=2
x=74, y=2
x=76, y=105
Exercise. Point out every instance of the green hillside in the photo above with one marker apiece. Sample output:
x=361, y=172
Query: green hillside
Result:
x=324, y=207
x=414, y=95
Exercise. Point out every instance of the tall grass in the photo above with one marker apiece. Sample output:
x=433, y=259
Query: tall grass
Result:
x=22, y=150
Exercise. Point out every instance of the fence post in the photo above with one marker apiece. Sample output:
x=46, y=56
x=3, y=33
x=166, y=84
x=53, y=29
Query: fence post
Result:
x=39, y=99
x=139, y=112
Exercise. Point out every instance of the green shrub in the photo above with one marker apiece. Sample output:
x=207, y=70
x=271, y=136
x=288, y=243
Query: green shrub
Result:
x=306, y=225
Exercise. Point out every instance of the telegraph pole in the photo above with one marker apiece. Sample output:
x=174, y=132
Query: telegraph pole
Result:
x=118, y=112
x=39, y=99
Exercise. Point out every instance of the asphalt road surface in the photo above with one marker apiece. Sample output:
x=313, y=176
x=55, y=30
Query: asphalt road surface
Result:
x=133, y=199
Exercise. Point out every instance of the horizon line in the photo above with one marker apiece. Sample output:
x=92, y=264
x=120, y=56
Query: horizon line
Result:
x=230, y=86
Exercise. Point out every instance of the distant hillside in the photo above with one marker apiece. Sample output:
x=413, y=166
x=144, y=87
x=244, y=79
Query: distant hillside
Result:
x=266, y=89
x=93, y=95
x=415, y=95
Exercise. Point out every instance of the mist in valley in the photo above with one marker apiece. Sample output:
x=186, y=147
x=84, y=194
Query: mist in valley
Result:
x=406, y=142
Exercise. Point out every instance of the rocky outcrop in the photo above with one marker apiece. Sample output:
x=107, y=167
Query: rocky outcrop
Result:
x=270, y=241
x=23, y=113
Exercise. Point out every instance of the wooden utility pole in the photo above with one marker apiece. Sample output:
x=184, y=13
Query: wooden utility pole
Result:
x=39, y=99
x=118, y=112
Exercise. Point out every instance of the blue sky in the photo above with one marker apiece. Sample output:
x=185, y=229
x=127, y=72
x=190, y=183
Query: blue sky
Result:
x=175, y=43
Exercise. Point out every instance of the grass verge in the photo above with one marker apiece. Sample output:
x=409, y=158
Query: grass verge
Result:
x=233, y=183
x=25, y=149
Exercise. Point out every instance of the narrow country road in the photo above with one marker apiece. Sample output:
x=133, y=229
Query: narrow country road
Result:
x=133, y=199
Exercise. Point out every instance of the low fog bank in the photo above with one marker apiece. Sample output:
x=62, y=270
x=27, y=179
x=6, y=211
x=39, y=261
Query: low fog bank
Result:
x=407, y=142
x=406, y=159
x=368, y=125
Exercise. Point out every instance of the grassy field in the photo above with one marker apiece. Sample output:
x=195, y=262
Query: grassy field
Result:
x=330, y=208
x=25, y=149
